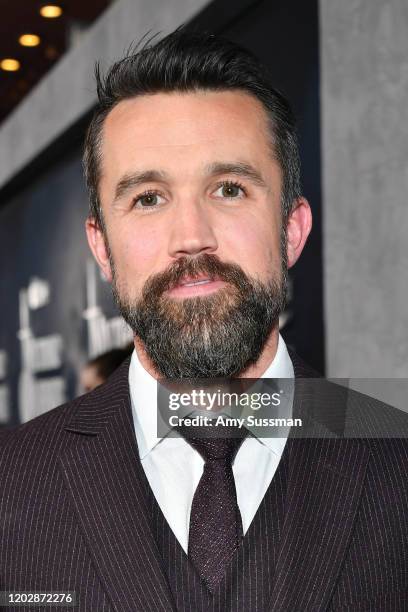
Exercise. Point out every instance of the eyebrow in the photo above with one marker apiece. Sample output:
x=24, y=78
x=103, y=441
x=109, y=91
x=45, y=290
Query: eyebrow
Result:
x=239, y=169
x=135, y=179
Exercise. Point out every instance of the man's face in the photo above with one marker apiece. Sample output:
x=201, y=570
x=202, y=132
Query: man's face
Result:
x=190, y=192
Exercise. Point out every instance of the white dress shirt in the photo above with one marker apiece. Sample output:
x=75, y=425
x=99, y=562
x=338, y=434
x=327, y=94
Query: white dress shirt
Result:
x=173, y=468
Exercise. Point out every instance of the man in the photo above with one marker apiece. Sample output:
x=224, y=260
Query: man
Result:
x=196, y=214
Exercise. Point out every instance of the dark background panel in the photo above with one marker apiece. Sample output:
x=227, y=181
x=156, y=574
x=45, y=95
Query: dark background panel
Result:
x=42, y=235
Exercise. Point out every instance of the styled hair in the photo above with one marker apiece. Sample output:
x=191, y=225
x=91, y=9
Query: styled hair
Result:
x=106, y=363
x=186, y=61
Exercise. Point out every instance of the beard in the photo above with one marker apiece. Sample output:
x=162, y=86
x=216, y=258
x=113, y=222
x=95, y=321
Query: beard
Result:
x=214, y=336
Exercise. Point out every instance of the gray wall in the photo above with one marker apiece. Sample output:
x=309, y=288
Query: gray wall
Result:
x=364, y=97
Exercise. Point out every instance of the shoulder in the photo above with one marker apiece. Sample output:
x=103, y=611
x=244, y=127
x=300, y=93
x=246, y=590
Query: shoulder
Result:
x=50, y=422
x=24, y=447
x=341, y=413
x=45, y=436
x=345, y=411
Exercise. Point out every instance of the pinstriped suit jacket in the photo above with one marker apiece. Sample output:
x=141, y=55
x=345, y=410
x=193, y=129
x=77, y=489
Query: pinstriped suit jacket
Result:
x=74, y=517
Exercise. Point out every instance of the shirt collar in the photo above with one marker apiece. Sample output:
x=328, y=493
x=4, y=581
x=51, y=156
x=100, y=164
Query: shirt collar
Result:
x=143, y=395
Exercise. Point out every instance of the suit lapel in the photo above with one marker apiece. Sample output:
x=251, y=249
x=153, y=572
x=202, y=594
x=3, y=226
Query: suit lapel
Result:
x=326, y=476
x=105, y=478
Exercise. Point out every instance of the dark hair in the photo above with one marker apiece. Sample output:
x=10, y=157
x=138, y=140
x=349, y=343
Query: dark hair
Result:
x=187, y=61
x=108, y=362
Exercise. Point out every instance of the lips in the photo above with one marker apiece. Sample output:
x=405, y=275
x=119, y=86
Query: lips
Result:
x=192, y=282
x=195, y=284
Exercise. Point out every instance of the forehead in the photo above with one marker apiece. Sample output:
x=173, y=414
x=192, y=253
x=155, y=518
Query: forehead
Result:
x=187, y=128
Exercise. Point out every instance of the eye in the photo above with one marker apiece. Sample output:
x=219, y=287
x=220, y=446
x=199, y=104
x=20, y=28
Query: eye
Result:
x=230, y=190
x=148, y=199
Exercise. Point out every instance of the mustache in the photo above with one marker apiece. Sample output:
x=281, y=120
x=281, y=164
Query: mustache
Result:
x=207, y=264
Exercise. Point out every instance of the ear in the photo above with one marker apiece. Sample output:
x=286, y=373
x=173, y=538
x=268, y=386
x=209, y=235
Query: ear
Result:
x=97, y=244
x=298, y=229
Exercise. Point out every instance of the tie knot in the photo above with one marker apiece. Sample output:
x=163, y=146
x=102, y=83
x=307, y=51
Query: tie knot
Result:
x=216, y=445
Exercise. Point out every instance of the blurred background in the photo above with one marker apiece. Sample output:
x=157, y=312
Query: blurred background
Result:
x=344, y=67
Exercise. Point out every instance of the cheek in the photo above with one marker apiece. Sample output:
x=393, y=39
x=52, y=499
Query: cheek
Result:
x=255, y=245
x=136, y=254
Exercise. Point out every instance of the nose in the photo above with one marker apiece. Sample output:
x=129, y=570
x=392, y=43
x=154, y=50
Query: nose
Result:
x=192, y=231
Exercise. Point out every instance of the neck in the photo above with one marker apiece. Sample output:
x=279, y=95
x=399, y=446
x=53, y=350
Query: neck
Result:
x=255, y=370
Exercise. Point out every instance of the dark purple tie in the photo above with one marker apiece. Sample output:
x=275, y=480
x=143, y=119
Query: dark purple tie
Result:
x=215, y=520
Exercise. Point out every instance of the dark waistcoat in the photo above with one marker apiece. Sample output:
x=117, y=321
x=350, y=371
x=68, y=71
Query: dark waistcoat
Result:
x=248, y=580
